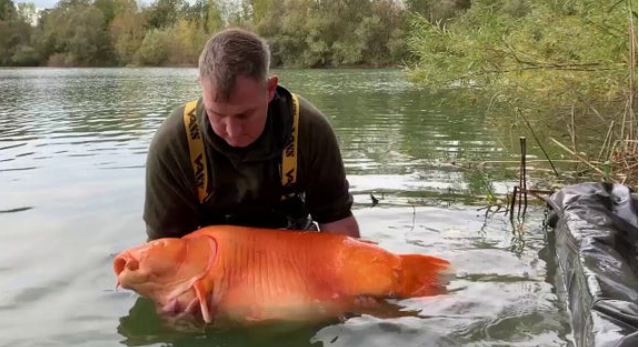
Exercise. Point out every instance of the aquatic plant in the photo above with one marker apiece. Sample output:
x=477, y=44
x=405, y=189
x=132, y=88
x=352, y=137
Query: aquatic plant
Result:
x=565, y=70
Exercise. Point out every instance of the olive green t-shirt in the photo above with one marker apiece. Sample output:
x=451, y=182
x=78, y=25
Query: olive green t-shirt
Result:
x=244, y=183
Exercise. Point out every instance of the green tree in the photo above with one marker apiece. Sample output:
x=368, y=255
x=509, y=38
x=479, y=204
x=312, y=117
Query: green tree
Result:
x=307, y=33
x=261, y=9
x=553, y=45
x=127, y=30
x=16, y=33
x=331, y=32
x=73, y=35
x=186, y=40
x=154, y=49
x=437, y=10
x=163, y=13
x=7, y=10
x=214, y=20
x=108, y=9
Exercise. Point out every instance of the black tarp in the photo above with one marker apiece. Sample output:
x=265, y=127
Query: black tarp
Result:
x=595, y=230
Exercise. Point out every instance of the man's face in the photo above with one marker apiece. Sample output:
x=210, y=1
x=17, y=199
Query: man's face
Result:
x=239, y=120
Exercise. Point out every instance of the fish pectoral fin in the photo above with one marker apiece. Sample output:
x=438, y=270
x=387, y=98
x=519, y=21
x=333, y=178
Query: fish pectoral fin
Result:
x=200, y=293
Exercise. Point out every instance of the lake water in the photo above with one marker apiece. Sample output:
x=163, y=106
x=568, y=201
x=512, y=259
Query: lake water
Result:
x=73, y=144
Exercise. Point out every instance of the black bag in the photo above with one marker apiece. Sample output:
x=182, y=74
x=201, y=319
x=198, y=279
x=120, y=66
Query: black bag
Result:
x=595, y=230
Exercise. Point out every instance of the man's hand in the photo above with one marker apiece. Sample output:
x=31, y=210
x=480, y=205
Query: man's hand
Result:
x=347, y=226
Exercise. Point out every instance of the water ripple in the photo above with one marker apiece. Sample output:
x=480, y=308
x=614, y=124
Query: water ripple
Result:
x=73, y=145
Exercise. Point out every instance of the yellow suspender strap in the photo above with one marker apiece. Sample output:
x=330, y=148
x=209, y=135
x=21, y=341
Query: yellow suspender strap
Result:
x=289, y=154
x=198, y=157
x=196, y=149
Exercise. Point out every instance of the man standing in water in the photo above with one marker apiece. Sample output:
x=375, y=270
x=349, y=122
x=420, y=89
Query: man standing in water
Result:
x=248, y=152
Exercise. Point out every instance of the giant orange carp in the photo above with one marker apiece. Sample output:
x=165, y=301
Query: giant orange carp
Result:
x=248, y=275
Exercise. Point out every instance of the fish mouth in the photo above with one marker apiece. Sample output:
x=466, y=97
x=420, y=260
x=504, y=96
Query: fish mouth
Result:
x=125, y=262
x=126, y=268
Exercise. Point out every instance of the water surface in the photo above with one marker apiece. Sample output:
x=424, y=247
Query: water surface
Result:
x=73, y=144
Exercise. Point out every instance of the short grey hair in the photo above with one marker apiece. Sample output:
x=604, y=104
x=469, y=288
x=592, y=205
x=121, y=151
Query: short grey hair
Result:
x=232, y=53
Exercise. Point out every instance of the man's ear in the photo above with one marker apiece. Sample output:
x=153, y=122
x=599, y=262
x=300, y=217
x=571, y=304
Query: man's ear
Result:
x=271, y=86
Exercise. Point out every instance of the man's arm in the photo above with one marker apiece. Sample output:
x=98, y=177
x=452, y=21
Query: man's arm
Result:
x=170, y=204
x=327, y=190
x=347, y=226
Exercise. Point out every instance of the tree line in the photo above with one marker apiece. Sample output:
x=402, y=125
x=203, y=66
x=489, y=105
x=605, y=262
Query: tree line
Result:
x=302, y=33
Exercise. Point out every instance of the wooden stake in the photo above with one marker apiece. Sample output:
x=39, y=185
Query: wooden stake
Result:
x=512, y=202
x=523, y=185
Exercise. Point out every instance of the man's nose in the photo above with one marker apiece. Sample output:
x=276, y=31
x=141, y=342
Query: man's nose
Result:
x=234, y=127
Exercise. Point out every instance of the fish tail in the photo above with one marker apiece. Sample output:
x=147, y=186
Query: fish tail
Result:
x=422, y=275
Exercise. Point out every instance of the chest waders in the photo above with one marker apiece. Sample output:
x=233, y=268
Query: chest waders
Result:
x=288, y=166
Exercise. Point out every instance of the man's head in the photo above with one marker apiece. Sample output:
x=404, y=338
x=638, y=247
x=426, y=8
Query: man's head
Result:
x=236, y=89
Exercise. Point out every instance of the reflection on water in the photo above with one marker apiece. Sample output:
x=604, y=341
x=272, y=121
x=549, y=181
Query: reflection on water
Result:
x=396, y=138
x=72, y=149
x=142, y=327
